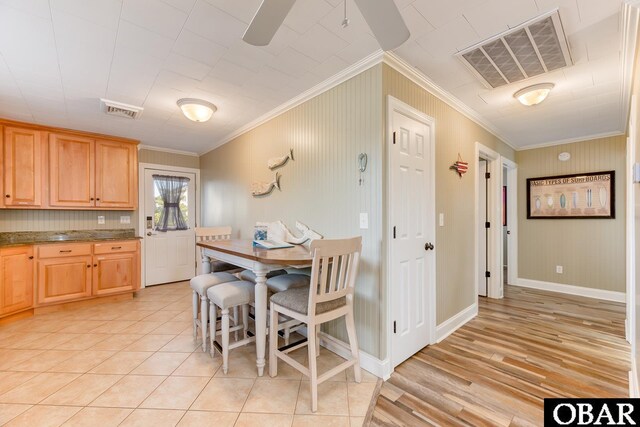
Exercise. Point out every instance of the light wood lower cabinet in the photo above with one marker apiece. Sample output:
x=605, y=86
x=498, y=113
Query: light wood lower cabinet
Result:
x=64, y=279
x=16, y=279
x=115, y=272
x=74, y=271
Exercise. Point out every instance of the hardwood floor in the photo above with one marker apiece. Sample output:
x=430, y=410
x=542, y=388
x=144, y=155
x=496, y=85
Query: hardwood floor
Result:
x=498, y=368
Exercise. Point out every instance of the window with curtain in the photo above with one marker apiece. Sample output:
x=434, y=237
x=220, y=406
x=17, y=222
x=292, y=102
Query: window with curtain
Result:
x=171, y=202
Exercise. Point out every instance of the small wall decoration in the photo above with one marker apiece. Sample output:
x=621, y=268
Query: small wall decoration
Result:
x=362, y=166
x=460, y=166
x=586, y=195
x=278, y=162
x=264, y=188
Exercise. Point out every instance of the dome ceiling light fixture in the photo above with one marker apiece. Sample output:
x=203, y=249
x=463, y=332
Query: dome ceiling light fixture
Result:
x=533, y=95
x=197, y=110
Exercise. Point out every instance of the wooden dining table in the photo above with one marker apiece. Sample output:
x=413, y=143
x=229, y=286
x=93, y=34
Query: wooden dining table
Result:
x=261, y=261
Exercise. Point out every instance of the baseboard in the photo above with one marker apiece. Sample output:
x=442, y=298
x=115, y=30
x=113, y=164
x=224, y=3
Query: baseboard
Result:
x=379, y=368
x=571, y=290
x=450, y=325
x=633, y=381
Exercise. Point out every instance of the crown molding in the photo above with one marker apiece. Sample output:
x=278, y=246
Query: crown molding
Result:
x=430, y=86
x=572, y=140
x=167, y=150
x=630, y=24
x=364, y=64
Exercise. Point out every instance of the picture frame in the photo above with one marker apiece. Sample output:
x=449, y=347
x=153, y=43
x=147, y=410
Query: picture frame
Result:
x=576, y=196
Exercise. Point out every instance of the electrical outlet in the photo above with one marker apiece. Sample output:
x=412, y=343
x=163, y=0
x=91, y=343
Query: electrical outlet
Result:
x=125, y=219
x=364, y=220
x=559, y=269
x=101, y=219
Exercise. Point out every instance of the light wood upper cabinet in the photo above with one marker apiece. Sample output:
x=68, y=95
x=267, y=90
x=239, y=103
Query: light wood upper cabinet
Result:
x=22, y=167
x=51, y=168
x=116, y=174
x=71, y=171
x=16, y=279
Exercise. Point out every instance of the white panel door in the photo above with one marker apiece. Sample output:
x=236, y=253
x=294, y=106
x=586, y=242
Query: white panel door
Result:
x=483, y=282
x=170, y=256
x=412, y=220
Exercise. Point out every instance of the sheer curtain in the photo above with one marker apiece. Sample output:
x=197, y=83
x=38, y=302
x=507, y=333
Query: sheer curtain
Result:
x=171, y=189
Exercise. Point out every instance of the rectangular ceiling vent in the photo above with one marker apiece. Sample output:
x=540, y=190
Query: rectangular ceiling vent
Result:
x=119, y=109
x=536, y=47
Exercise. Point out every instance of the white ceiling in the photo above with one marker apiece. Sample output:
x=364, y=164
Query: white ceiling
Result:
x=58, y=57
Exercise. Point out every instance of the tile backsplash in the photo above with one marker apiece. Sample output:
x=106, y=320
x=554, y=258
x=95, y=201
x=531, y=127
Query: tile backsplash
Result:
x=59, y=220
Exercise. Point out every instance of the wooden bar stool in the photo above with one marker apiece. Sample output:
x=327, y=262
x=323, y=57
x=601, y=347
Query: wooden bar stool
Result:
x=330, y=296
x=227, y=296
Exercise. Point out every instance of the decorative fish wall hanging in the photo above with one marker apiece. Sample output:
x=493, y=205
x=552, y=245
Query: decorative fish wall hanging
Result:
x=278, y=162
x=264, y=188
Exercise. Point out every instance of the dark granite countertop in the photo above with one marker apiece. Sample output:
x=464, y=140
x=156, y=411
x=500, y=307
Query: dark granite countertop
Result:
x=36, y=237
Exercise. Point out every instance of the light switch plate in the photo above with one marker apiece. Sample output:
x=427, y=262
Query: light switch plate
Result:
x=559, y=269
x=441, y=220
x=364, y=220
x=636, y=173
x=125, y=219
x=101, y=219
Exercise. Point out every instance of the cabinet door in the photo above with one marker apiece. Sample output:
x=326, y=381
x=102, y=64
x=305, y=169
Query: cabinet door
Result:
x=16, y=279
x=116, y=175
x=64, y=279
x=71, y=171
x=22, y=165
x=115, y=273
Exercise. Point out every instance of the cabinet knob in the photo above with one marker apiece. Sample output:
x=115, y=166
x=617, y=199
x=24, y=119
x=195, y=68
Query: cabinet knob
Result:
x=95, y=265
x=31, y=257
x=91, y=199
x=98, y=199
x=7, y=195
x=88, y=265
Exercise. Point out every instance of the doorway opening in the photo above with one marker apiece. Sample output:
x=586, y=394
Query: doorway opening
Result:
x=488, y=209
x=169, y=213
x=510, y=221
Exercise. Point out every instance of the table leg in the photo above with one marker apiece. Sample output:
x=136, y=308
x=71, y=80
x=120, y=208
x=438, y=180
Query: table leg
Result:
x=261, y=317
x=206, y=264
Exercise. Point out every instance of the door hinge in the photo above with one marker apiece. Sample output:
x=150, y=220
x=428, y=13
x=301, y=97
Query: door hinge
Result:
x=394, y=231
x=487, y=274
x=394, y=137
x=487, y=175
x=487, y=225
x=394, y=326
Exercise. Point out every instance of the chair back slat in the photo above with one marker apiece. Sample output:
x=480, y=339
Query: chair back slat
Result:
x=334, y=270
x=206, y=234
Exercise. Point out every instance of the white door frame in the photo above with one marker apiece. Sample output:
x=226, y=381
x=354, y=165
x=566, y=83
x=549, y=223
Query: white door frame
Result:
x=494, y=201
x=395, y=105
x=512, y=219
x=631, y=249
x=142, y=167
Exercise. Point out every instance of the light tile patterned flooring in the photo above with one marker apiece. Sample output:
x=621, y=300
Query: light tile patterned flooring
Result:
x=135, y=363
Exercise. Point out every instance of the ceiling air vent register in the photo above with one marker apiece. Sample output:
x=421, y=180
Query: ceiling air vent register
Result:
x=118, y=109
x=536, y=47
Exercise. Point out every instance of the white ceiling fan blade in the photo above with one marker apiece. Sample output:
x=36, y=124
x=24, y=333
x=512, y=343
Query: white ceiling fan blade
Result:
x=267, y=20
x=385, y=22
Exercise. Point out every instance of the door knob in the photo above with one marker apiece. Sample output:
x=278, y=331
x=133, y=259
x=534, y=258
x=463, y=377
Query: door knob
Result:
x=150, y=234
x=428, y=246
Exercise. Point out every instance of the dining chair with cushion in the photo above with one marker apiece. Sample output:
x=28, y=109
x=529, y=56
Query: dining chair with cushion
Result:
x=207, y=234
x=329, y=296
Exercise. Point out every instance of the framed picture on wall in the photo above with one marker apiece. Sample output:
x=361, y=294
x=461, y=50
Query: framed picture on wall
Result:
x=576, y=196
